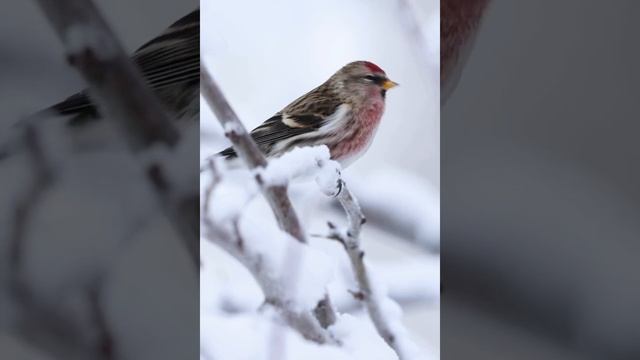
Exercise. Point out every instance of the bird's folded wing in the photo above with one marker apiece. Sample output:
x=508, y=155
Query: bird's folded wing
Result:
x=279, y=128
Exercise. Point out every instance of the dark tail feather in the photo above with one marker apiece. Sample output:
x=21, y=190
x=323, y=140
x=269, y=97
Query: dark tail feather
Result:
x=228, y=153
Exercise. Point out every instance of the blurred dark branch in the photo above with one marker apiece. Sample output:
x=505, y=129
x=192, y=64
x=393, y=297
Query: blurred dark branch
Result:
x=120, y=91
x=248, y=151
x=350, y=239
x=116, y=85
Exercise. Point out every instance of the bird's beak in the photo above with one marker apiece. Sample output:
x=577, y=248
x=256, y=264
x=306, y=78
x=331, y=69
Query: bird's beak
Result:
x=388, y=84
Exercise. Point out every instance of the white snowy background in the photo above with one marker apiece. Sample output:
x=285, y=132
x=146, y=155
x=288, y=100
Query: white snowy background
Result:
x=265, y=54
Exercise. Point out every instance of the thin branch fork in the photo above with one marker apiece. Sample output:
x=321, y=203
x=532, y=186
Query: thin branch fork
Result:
x=366, y=293
x=121, y=93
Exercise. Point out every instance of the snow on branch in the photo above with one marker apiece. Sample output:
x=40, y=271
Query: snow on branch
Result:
x=248, y=151
x=276, y=194
x=380, y=308
x=246, y=244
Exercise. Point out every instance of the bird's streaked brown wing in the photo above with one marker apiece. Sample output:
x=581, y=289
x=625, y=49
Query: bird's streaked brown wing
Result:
x=304, y=115
x=274, y=130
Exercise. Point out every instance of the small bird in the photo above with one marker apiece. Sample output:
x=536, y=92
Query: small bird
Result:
x=343, y=113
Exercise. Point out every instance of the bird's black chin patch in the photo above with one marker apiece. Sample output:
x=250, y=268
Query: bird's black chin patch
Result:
x=383, y=92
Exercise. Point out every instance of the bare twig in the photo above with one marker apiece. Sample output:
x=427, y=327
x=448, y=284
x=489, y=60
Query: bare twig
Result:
x=350, y=239
x=119, y=89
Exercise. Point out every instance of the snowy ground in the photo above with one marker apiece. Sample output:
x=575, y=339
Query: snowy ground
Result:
x=265, y=54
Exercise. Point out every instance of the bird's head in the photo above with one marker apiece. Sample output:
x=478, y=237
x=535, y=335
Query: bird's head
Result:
x=361, y=80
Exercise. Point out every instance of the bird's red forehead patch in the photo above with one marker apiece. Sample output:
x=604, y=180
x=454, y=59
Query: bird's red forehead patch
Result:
x=373, y=67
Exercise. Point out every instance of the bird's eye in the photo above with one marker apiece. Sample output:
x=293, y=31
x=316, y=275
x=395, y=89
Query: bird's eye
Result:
x=370, y=78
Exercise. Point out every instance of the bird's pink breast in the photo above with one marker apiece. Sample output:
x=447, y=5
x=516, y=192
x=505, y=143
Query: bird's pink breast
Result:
x=360, y=133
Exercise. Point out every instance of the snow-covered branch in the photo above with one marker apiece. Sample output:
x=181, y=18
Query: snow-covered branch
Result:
x=248, y=151
x=390, y=329
x=278, y=291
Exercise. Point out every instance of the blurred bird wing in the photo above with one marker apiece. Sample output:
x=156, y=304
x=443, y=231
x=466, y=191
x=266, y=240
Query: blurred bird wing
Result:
x=169, y=59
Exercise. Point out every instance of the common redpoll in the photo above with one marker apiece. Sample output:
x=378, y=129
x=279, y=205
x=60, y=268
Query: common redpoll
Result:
x=343, y=113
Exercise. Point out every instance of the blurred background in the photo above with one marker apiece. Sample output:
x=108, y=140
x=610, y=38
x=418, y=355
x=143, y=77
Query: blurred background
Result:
x=32, y=65
x=540, y=185
x=70, y=261
x=266, y=54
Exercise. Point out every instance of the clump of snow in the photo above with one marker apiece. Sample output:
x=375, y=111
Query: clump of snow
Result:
x=304, y=162
x=230, y=197
x=360, y=339
x=297, y=273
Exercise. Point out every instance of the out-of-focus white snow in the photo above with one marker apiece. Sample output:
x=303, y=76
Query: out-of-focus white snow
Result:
x=250, y=337
x=404, y=200
x=303, y=163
